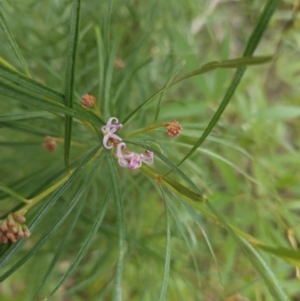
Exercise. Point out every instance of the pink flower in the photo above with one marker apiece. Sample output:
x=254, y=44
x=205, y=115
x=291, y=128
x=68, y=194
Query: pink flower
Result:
x=108, y=131
x=127, y=159
x=148, y=157
x=111, y=127
x=123, y=158
x=135, y=161
x=132, y=160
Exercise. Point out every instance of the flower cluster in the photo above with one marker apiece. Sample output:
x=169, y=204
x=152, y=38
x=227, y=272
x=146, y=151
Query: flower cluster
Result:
x=12, y=228
x=126, y=158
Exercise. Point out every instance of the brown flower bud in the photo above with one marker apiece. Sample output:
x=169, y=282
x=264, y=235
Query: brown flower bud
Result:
x=13, y=228
x=49, y=144
x=174, y=128
x=88, y=100
x=119, y=64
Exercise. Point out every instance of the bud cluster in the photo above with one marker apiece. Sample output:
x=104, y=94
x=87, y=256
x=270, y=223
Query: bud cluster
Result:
x=88, y=100
x=173, y=128
x=50, y=144
x=13, y=228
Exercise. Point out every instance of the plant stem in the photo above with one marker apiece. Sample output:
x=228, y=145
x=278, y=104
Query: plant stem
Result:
x=146, y=129
x=35, y=200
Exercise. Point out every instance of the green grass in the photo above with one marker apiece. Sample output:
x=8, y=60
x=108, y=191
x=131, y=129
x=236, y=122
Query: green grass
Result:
x=216, y=217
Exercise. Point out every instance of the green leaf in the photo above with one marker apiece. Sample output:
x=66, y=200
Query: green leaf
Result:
x=85, y=245
x=121, y=224
x=61, y=246
x=176, y=70
x=47, y=104
x=273, y=284
x=38, y=101
x=100, y=63
x=12, y=193
x=25, y=116
x=251, y=46
x=13, y=43
x=183, y=190
x=181, y=222
x=259, y=264
x=26, y=128
x=47, y=206
x=108, y=79
x=197, y=220
x=164, y=284
x=54, y=227
x=70, y=227
x=235, y=63
x=199, y=196
x=25, y=82
x=70, y=75
x=290, y=256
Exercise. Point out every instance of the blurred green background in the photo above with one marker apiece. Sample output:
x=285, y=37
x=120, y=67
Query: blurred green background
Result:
x=248, y=167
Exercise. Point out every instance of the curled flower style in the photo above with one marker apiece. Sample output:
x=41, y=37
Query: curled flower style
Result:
x=126, y=158
x=13, y=228
x=109, y=130
x=148, y=157
x=132, y=160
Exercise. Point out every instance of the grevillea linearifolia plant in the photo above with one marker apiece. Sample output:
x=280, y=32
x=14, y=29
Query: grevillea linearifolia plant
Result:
x=13, y=227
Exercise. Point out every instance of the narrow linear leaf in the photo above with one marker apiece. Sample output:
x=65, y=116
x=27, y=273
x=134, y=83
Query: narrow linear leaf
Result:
x=13, y=43
x=70, y=75
x=235, y=63
x=180, y=222
x=47, y=206
x=60, y=248
x=290, y=256
x=12, y=193
x=26, y=128
x=55, y=226
x=116, y=190
x=176, y=70
x=38, y=101
x=251, y=46
x=85, y=245
x=232, y=165
x=25, y=82
x=8, y=65
x=25, y=116
x=270, y=279
x=259, y=264
x=183, y=190
x=164, y=284
x=70, y=227
x=108, y=79
x=201, y=197
x=48, y=104
x=117, y=100
x=197, y=221
x=100, y=63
